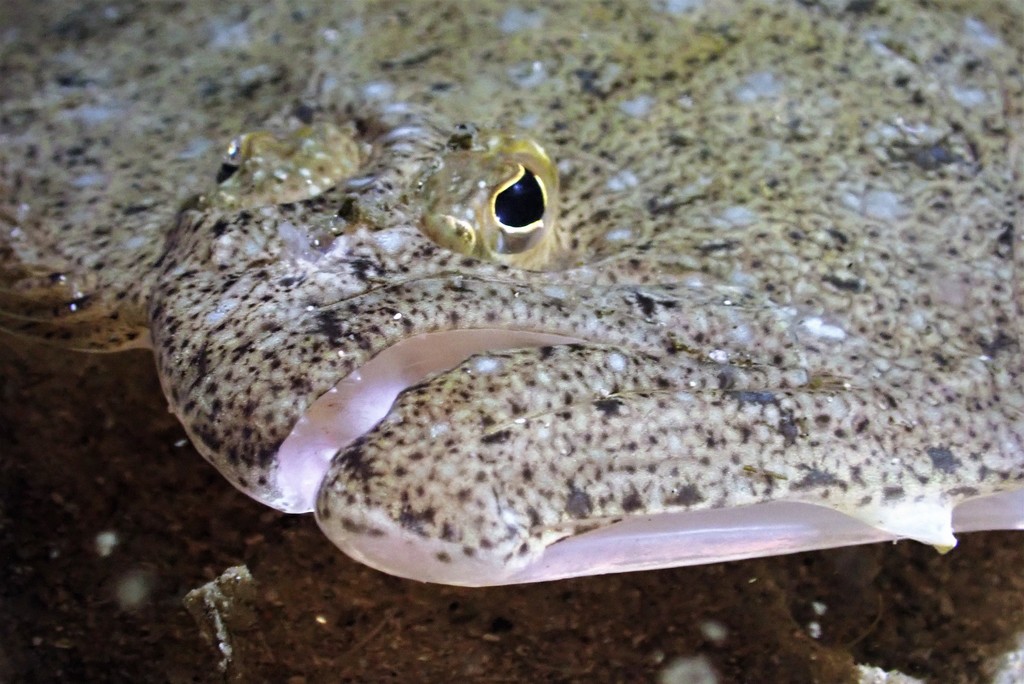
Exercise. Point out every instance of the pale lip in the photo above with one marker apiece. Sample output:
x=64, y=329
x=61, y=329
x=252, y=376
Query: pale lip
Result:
x=357, y=403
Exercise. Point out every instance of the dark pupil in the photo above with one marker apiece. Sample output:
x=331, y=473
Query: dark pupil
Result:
x=521, y=203
x=226, y=171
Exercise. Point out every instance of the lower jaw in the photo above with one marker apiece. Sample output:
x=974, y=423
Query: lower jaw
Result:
x=359, y=401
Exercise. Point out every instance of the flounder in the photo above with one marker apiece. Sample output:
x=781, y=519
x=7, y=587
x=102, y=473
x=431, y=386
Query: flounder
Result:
x=519, y=294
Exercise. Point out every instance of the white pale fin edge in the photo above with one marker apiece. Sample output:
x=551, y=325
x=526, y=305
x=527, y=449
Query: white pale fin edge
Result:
x=658, y=541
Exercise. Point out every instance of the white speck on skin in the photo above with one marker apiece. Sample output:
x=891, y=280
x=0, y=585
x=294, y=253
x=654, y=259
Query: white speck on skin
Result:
x=90, y=115
x=761, y=85
x=296, y=242
x=378, y=90
x=486, y=364
x=225, y=36
x=89, y=180
x=814, y=630
x=980, y=34
x=196, y=148
x=742, y=334
x=221, y=311
x=397, y=108
x=617, y=362
x=258, y=73
x=359, y=182
x=106, y=542
x=694, y=282
x=820, y=328
x=329, y=84
x=619, y=235
x=639, y=107
x=528, y=121
x=917, y=320
x=438, y=429
x=403, y=133
x=676, y=6
x=883, y=205
x=554, y=291
x=719, y=356
x=527, y=75
x=969, y=97
x=390, y=241
x=738, y=216
x=623, y=180
x=517, y=19
x=819, y=608
x=743, y=280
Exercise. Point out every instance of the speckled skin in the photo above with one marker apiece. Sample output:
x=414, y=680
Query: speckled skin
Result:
x=791, y=248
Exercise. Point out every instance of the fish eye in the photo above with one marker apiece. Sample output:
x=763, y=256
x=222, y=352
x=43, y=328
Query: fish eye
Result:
x=494, y=198
x=519, y=208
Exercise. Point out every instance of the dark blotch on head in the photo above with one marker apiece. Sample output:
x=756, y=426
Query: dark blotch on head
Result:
x=892, y=493
x=816, y=478
x=931, y=157
x=943, y=459
x=646, y=304
x=788, y=428
x=354, y=461
x=578, y=505
x=688, y=495
x=499, y=437
x=846, y=284
x=608, y=407
x=632, y=502
x=745, y=397
x=329, y=326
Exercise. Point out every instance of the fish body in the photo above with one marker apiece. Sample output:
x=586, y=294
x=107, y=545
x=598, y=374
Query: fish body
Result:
x=514, y=295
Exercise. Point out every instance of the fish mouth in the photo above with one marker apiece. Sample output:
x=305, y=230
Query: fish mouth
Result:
x=363, y=398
